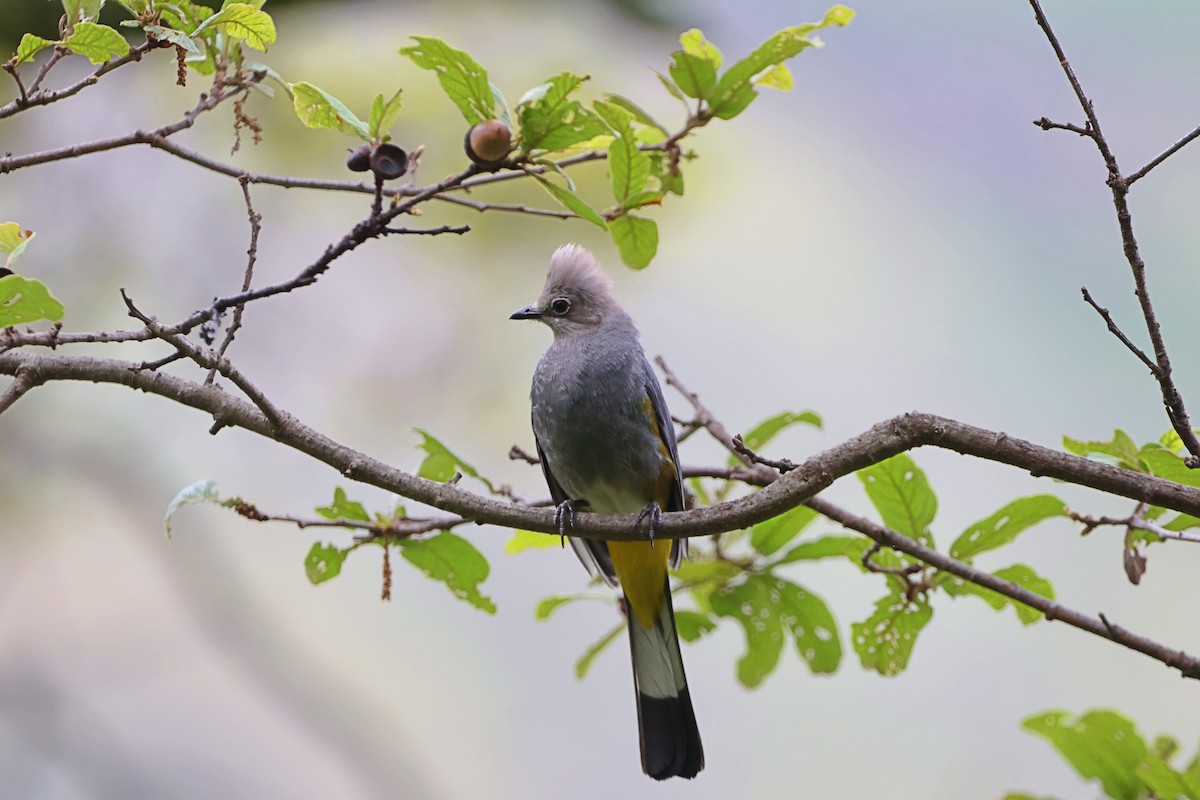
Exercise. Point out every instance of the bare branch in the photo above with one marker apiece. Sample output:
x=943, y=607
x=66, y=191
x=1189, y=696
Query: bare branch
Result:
x=458, y=229
x=1112, y=327
x=251, y=256
x=1170, y=151
x=44, y=97
x=1047, y=125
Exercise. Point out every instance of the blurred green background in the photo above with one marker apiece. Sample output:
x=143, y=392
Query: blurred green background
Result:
x=892, y=235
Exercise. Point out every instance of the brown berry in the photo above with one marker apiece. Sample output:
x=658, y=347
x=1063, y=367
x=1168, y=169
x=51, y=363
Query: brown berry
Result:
x=360, y=159
x=488, y=142
x=388, y=161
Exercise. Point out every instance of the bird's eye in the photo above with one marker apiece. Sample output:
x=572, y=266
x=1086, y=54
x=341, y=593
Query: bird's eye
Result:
x=560, y=306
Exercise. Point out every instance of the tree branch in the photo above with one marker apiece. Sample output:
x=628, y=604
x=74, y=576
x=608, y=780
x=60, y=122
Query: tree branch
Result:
x=44, y=97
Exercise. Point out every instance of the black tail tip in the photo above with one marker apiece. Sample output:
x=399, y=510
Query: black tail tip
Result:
x=670, y=739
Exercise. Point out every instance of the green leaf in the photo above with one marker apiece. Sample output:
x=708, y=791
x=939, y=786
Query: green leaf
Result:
x=693, y=42
x=440, y=463
x=383, y=114
x=323, y=562
x=639, y=199
x=242, y=21
x=901, y=493
x=316, y=108
x=695, y=76
x=1183, y=522
x=1121, y=450
x=1163, y=781
x=96, y=42
x=30, y=46
x=735, y=90
x=628, y=165
x=454, y=561
x=585, y=661
x=81, y=10
x=572, y=202
x=697, y=570
x=636, y=239
x=885, y=640
x=1005, y=525
x=765, y=606
x=1101, y=745
x=778, y=77
x=198, y=492
x=772, y=535
x=531, y=540
x=637, y=112
x=692, y=625
x=159, y=33
x=341, y=508
x=13, y=242
x=463, y=80
x=548, y=605
x=1165, y=464
x=825, y=547
x=672, y=89
x=25, y=300
x=1020, y=574
x=550, y=120
x=761, y=434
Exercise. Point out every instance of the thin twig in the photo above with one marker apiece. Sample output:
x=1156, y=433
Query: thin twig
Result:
x=24, y=381
x=251, y=257
x=1047, y=125
x=45, y=97
x=1116, y=331
x=1170, y=151
x=518, y=208
x=458, y=229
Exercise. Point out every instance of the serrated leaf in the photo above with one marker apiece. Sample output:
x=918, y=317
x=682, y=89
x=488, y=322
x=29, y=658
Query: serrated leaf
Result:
x=636, y=239
x=585, y=661
x=342, y=508
x=455, y=562
x=627, y=164
x=778, y=77
x=1003, y=527
x=383, y=115
x=692, y=625
x=761, y=434
x=440, y=463
x=30, y=46
x=199, y=492
x=825, y=547
x=13, y=242
x=884, y=641
x=695, y=76
x=96, y=42
x=637, y=112
x=773, y=534
x=316, y=108
x=522, y=540
x=572, y=202
x=901, y=493
x=25, y=300
x=1101, y=745
x=693, y=42
x=242, y=21
x=461, y=77
x=323, y=562
x=735, y=90
x=1121, y=450
x=550, y=120
x=1020, y=574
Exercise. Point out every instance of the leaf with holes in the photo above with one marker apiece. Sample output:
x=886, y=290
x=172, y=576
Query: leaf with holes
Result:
x=323, y=562
x=884, y=641
x=901, y=493
x=692, y=625
x=455, y=562
x=1006, y=525
x=1021, y=574
x=461, y=77
x=551, y=120
x=342, y=508
x=1101, y=745
x=811, y=624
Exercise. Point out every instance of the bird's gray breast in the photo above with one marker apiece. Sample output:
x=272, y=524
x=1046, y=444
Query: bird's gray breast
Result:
x=592, y=419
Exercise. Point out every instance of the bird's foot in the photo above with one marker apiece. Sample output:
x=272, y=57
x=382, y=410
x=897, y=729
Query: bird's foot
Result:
x=564, y=516
x=651, y=517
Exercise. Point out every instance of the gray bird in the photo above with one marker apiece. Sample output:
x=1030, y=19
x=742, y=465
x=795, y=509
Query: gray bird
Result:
x=607, y=445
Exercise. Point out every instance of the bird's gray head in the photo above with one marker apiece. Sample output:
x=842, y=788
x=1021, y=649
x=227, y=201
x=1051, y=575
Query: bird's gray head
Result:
x=577, y=295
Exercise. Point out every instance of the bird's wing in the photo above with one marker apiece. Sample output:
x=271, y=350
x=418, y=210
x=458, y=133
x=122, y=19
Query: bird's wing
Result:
x=666, y=432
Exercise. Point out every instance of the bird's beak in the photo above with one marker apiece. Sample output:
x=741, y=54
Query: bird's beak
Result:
x=529, y=312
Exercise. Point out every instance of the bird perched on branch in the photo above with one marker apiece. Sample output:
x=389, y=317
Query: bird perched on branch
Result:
x=607, y=446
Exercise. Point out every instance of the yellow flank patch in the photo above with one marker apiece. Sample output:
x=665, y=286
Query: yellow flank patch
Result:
x=642, y=571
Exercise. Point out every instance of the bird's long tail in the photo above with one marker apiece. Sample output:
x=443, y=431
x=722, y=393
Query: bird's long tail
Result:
x=670, y=740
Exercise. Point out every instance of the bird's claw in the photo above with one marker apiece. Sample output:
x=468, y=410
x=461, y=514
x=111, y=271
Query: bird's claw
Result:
x=651, y=517
x=564, y=516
